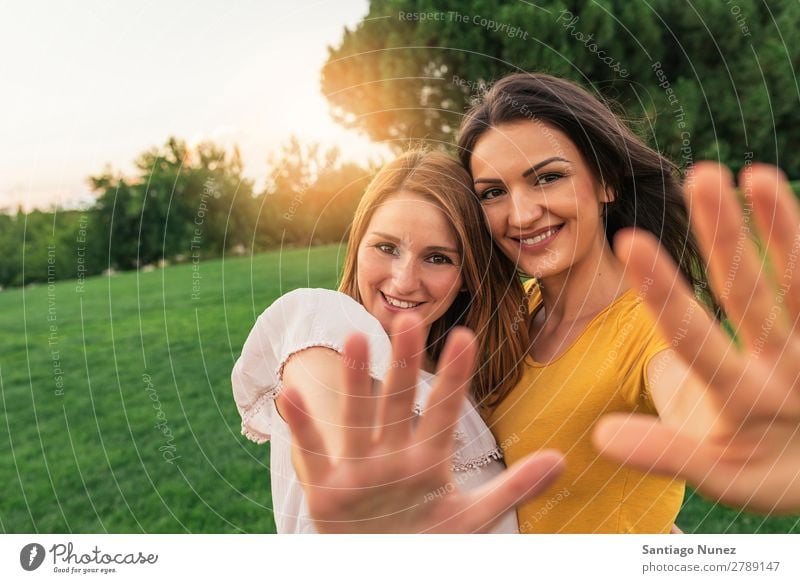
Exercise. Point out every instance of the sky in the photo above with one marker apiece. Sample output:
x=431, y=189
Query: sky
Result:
x=95, y=83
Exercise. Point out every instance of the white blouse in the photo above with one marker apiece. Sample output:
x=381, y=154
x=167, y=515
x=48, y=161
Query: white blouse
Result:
x=306, y=318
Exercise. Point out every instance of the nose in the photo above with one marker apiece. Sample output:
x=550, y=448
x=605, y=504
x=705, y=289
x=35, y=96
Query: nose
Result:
x=405, y=276
x=525, y=210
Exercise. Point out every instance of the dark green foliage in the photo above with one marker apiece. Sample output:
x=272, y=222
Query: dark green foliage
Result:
x=47, y=246
x=181, y=203
x=703, y=79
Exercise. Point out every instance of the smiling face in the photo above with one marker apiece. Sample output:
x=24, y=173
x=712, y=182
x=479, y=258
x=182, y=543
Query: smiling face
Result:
x=408, y=261
x=542, y=201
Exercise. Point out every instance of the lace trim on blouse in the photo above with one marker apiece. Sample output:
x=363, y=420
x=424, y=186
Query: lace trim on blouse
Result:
x=271, y=394
x=266, y=400
x=477, y=462
x=313, y=344
x=252, y=411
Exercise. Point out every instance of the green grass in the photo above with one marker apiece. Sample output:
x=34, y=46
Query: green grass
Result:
x=88, y=460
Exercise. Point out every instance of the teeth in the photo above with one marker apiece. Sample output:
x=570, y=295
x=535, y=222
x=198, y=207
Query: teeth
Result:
x=400, y=303
x=540, y=237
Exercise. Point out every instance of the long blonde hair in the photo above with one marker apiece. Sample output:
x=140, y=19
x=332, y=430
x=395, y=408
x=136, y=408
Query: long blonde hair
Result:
x=494, y=304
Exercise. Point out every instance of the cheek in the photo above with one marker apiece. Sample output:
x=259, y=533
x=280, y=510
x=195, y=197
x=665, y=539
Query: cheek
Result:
x=587, y=216
x=368, y=273
x=496, y=218
x=445, y=286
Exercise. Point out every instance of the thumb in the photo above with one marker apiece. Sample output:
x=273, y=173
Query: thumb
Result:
x=520, y=483
x=644, y=443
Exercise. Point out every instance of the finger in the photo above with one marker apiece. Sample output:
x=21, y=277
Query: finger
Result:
x=399, y=387
x=716, y=470
x=358, y=402
x=522, y=482
x=723, y=233
x=681, y=318
x=644, y=443
x=447, y=398
x=309, y=446
x=777, y=215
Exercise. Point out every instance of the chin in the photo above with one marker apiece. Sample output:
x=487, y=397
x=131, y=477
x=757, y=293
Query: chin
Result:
x=386, y=323
x=542, y=270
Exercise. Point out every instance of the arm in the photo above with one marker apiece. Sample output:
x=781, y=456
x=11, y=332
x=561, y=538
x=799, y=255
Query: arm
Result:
x=299, y=338
x=315, y=371
x=743, y=446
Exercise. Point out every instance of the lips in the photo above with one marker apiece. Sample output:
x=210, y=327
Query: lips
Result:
x=399, y=303
x=539, y=235
x=538, y=238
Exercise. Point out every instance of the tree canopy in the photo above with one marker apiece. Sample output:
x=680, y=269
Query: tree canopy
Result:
x=703, y=79
x=182, y=199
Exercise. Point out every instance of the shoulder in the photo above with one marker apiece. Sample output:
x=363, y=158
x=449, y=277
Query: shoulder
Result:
x=641, y=347
x=306, y=313
x=298, y=320
x=303, y=298
x=309, y=317
x=315, y=308
x=635, y=321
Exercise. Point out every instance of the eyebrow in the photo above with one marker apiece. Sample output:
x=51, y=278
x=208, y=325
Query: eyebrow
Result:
x=529, y=171
x=394, y=239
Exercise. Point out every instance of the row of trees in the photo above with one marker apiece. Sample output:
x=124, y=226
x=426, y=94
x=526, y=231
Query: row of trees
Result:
x=181, y=204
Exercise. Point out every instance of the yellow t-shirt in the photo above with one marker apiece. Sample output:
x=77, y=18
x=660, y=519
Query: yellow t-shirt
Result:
x=556, y=405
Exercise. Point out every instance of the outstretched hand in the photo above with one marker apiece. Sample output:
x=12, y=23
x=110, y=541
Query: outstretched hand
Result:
x=749, y=455
x=392, y=474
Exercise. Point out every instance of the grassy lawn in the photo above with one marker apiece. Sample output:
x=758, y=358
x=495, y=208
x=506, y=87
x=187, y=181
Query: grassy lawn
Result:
x=88, y=460
x=117, y=408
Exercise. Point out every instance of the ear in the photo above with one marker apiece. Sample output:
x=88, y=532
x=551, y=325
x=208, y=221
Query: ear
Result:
x=607, y=194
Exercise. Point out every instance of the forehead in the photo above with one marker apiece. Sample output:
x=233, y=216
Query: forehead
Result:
x=412, y=218
x=515, y=147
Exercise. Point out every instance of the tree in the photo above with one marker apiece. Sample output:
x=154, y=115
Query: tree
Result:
x=310, y=195
x=11, y=235
x=182, y=202
x=706, y=79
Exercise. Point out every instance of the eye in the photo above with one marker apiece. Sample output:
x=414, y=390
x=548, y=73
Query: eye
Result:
x=549, y=177
x=439, y=259
x=387, y=248
x=490, y=193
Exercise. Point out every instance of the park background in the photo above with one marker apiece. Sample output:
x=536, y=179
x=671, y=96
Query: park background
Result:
x=169, y=169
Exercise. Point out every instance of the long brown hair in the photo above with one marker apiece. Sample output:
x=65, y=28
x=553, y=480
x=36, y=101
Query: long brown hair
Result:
x=493, y=299
x=648, y=194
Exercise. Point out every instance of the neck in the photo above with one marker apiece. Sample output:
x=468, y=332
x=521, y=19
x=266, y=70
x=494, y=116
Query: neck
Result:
x=584, y=289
